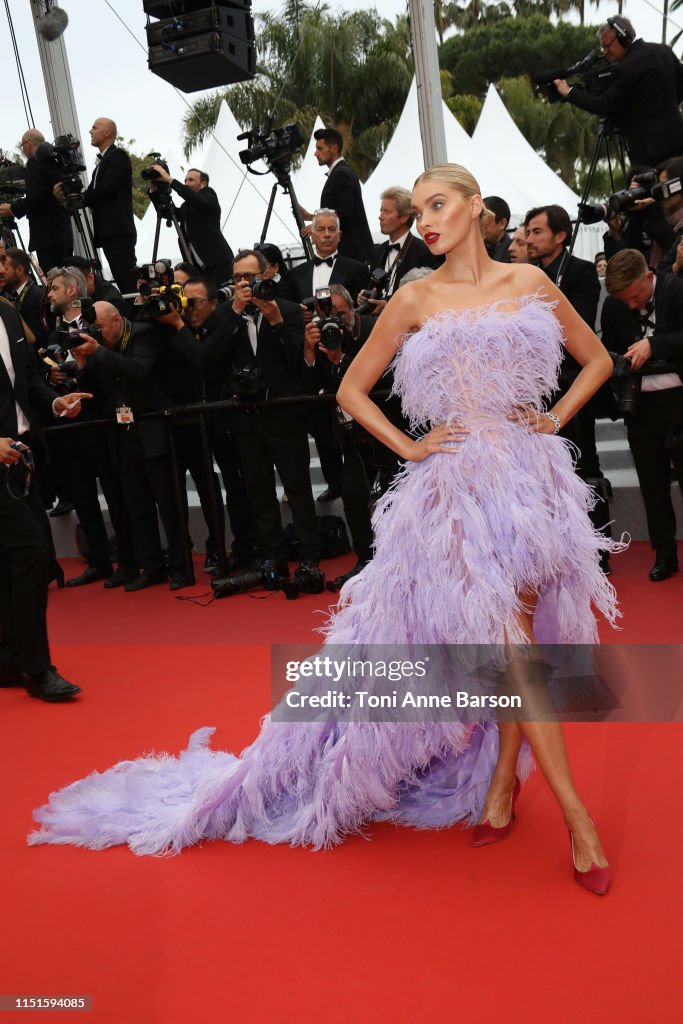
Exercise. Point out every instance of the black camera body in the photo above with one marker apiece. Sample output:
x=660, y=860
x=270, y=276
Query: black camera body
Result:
x=148, y=173
x=246, y=382
x=377, y=289
x=594, y=71
x=166, y=299
x=332, y=325
x=12, y=180
x=64, y=154
x=649, y=187
x=275, y=146
x=70, y=337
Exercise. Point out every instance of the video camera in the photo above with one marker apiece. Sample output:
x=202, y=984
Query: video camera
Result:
x=379, y=285
x=276, y=146
x=594, y=70
x=649, y=187
x=64, y=154
x=149, y=174
x=12, y=180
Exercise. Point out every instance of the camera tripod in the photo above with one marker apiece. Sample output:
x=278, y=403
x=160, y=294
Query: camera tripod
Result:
x=79, y=218
x=601, y=150
x=162, y=202
x=11, y=239
x=283, y=174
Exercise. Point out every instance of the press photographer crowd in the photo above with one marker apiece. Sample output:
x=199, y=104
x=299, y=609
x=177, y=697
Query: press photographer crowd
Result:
x=117, y=369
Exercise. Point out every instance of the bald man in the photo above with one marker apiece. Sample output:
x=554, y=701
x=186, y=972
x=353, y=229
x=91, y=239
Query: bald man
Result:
x=110, y=197
x=49, y=225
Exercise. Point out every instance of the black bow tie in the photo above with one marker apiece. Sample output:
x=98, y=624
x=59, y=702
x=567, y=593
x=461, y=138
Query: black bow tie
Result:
x=319, y=259
x=99, y=156
x=394, y=245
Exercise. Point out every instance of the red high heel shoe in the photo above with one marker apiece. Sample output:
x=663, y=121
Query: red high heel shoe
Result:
x=596, y=879
x=485, y=834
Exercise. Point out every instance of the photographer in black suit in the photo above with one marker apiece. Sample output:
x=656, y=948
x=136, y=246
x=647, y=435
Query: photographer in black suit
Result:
x=642, y=318
x=50, y=234
x=25, y=544
x=328, y=266
x=342, y=193
x=548, y=232
x=98, y=288
x=369, y=466
x=110, y=196
x=200, y=220
x=403, y=251
x=128, y=368
x=642, y=98
x=266, y=339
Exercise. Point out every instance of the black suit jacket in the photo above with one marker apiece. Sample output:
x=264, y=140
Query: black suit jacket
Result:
x=200, y=219
x=414, y=254
x=354, y=276
x=49, y=224
x=30, y=391
x=642, y=102
x=621, y=326
x=580, y=284
x=136, y=378
x=110, y=196
x=342, y=193
x=30, y=306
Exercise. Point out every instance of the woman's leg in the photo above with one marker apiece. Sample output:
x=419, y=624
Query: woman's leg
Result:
x=547, y=743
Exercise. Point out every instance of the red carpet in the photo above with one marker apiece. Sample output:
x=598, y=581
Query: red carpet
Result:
x=413, y=926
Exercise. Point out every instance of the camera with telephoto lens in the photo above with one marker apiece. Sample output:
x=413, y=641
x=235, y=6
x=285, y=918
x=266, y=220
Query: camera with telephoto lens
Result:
x=329, y=322
x=649, y=187
x=65, y=155
x=276, y=146
x=226, y=292
x=627, y=385
x=377, y=289
x=168, y=298
x=149, y=174
x=272, y=575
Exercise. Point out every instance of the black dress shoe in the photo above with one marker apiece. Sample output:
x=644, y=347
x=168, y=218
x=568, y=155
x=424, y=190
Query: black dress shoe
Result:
x=664, y=567
x=331, y=494
x=50, y=686
x=146, y=579
x=89, y=575
x=120, y=577
x=180, y=582
x=56, y=573
x=62, y=508
x=358, y=567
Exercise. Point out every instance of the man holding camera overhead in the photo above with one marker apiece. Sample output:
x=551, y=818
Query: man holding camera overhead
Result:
x=200, y=221
x=266, y=348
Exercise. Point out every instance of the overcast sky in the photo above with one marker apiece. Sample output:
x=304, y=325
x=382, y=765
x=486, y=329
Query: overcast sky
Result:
x=110, y=75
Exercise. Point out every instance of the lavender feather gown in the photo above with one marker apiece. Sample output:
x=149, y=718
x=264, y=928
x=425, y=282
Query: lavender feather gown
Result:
x=457, y=538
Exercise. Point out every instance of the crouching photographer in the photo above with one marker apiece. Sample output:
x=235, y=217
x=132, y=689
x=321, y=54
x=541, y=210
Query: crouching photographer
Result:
x=332, y=340
x=642, y=319
x=265, y=346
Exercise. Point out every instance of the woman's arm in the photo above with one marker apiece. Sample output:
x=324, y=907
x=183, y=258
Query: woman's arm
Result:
x=399, y=317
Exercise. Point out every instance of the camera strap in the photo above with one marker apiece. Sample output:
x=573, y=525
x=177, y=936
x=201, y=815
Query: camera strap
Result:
x=396, y=265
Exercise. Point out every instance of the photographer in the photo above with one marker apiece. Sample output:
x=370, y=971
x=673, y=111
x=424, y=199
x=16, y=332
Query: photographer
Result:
x=643, y=319
x=642, y=97
x=84, y=457
x=403, y=251
x=97, y=288
x=198, y=365
x=110, y=196
x=128, y=369
x=265, y=345
x=27, y=296
x=50, y=234
x=200, y=221
x=369, y=466
x=26, y=549
x=328, y=265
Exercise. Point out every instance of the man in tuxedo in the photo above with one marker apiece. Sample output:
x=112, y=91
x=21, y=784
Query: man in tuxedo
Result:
x=642, y=318
x=548, y=232
x=50, y=234
x=342, y=192
x=25, y=546
x=98, y=288
x=642, y=97
x=328, y=266
x=403, y=251
x=128, y=369
x=110, y=196
x=200, y=220
x=269, y=337
x=28, y=297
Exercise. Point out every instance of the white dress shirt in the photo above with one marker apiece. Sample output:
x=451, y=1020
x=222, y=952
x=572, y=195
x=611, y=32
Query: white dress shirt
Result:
x=323, y=273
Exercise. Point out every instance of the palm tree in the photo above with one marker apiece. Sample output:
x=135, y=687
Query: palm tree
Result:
x=353, y=69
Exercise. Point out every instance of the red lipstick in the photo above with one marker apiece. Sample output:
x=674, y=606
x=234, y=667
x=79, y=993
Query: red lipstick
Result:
x=431, y=237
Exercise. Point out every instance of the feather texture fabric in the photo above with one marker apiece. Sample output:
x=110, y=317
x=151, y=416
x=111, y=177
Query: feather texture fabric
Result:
x=458, y=539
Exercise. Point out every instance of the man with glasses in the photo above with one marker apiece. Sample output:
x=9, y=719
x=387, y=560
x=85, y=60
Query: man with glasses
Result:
x=642, y=97
x=50, y=234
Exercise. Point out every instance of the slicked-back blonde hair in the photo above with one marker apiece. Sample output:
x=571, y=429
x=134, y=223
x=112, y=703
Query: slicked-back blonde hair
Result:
x=462, y=180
